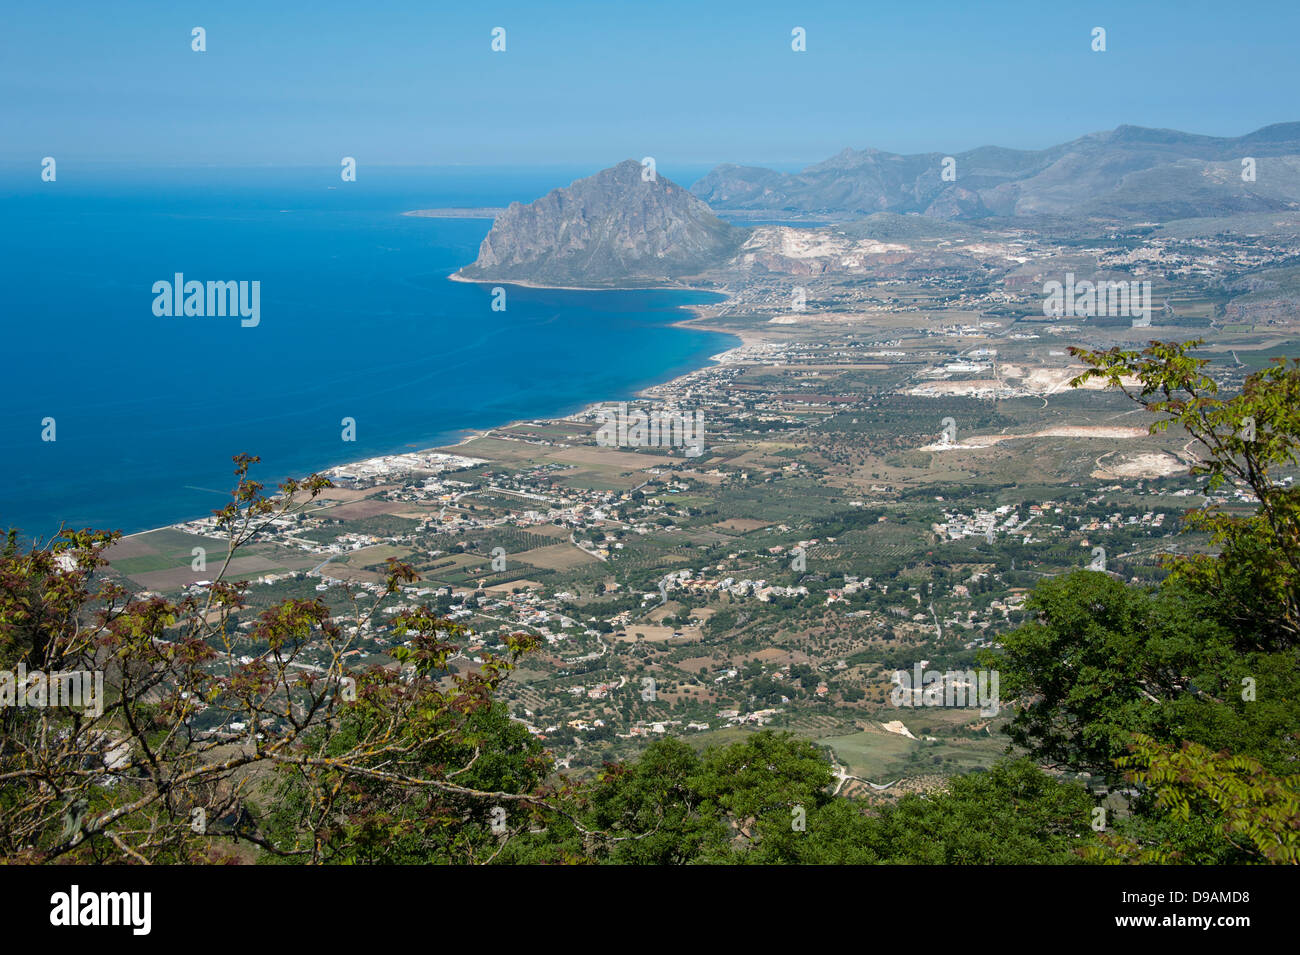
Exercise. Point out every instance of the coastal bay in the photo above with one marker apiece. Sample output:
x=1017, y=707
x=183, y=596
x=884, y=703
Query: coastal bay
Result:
x=358, y=320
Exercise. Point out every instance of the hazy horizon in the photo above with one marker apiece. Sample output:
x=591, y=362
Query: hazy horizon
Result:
x=413, y=85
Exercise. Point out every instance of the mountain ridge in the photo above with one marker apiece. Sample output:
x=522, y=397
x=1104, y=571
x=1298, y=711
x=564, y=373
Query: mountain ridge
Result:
x=1085, y=175
x=618, y=226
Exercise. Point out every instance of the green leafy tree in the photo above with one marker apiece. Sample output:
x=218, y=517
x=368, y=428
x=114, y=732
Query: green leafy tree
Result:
x=1252, y=811
x=1013, y=814
x=1102, y=660
x=213, y=742
x=760, y=785
x=1245, y=440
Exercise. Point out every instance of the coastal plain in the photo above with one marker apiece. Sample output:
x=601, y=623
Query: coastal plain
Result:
x=892, y=457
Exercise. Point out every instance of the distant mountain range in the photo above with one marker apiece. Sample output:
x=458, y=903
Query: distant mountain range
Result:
x=619, y=226
x=626, y=227
x=1130, y=172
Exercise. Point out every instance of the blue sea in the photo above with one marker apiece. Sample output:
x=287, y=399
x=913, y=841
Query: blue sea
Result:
x=357, y=319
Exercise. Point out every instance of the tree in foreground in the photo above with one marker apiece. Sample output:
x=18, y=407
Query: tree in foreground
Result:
x=202, y=725
x=1188, y=692
x=221, y=742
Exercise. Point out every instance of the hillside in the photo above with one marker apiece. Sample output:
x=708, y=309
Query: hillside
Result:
x=1127, y=172
x=613, y=228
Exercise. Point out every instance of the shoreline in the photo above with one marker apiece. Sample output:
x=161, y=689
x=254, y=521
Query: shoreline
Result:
x=470, y=434
x=457, y=212
x=523, y=283
x=714, y=360
x=745, y=339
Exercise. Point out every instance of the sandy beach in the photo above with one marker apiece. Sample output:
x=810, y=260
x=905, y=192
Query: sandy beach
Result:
x=747, y=340
x=457, y=277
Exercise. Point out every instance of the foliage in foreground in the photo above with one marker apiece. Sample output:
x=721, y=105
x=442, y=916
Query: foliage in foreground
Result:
x=217, y=742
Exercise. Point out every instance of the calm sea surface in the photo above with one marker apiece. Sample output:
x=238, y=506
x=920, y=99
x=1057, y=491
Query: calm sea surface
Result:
x=357, y=319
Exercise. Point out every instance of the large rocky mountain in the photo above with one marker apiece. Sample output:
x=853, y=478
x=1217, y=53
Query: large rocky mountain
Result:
x=617, y=227
x=1128, y=172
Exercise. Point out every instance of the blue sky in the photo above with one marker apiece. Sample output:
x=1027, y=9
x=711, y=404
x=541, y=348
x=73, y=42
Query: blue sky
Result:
x=691, y=83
